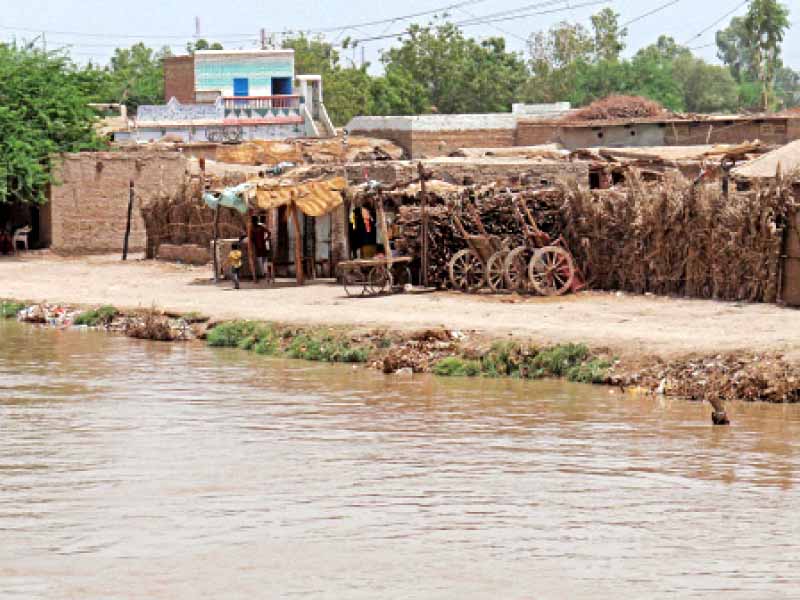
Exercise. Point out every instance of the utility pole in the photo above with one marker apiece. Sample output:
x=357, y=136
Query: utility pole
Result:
x=263, y=39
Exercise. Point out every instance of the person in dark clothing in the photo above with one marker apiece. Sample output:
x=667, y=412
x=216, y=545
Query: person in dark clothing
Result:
x=260, y=245
x=6, y=245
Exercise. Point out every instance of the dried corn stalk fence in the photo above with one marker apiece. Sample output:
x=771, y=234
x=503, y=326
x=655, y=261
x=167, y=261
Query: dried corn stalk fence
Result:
x=185, y=219
x=674, y=238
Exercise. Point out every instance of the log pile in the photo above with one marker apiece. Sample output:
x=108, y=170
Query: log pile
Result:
x=675, y=238
x=495, y=209
x=618, y=107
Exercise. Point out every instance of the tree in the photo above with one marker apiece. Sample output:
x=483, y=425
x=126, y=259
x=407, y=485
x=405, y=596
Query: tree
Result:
x=397, y=93
x=609, y=39
x=43, y=111
x=457, y=73
x=706, y=88
x=202, y=44
x=751, y=46
x=312, y=56
x=136, y=75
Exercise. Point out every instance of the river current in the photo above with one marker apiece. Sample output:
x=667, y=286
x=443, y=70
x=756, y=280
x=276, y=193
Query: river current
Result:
x=133, y=469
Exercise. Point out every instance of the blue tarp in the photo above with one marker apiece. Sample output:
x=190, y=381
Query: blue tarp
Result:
x=230, y=198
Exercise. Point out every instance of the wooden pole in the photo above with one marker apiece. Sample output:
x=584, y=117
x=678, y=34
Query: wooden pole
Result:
x=298, y=244
x=424, y=228
x=131, y=193
x=382, y=224
x=251, y=247
x=216, y=237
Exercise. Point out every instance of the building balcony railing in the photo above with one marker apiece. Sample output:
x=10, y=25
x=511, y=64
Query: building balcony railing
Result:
x=291, y=102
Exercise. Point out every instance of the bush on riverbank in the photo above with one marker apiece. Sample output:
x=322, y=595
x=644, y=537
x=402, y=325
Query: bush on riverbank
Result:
x=510, y=359
x=96, y=317
x=270, y=340
x=9, y=309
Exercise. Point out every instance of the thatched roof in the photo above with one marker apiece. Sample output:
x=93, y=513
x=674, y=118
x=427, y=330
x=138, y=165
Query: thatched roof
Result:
x=764, y=167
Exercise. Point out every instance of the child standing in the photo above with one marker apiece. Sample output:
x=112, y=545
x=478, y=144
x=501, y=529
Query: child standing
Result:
x=235, y=263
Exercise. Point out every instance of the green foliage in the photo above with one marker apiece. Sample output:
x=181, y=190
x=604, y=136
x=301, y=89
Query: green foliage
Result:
x=558, y=360
x=458, y=74
x=136, y=75
x=706, y=88
x=231, y=334
x=99, y=316
x=202, y=44
x=591, y=371
x=454, y=366
x=502, y=360
x=269, y=340
x=43, y=111
x=751, y=48
x=9, y=309
x=325, y=348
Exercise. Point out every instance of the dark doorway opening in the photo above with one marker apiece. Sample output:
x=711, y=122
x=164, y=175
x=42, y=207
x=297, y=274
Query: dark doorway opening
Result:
x=281, y=86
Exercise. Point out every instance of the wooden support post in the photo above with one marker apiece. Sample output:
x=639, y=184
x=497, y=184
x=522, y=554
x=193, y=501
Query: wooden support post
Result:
x=424, y=228
x=382, y=224
x=298, y=244
x=251, y=248
x=216, y=237
x=131, y=193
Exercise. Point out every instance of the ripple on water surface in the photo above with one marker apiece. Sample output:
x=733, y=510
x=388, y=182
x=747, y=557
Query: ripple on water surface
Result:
x=135, y=469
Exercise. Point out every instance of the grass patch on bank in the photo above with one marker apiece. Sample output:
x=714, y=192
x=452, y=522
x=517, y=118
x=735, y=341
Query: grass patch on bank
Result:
x=270, y=340
x=503, y=359
x=510, y=359
x=99, y=316
x=9, y=309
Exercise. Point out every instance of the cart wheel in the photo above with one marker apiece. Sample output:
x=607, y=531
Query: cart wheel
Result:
x=496, y=271
x=515, y=269
x=552, y=271
x=379, y=280
x=466, y=271
x=355, y=284
x=401, y=278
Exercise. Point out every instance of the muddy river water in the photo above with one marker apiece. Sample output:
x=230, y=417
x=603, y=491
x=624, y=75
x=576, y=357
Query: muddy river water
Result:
x=132, y=469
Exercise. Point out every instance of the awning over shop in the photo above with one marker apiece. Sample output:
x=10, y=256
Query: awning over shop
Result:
x=314, y=198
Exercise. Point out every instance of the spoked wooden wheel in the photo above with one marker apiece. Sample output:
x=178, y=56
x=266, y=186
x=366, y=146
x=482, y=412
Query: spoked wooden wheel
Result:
x=516, y=269
x=355, y=283
x=496, y=271
x=401, y=277
x=379, y=280
x=551, y=271
x=466, y=271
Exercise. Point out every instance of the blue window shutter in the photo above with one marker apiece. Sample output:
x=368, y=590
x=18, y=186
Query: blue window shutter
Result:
x=241, y=86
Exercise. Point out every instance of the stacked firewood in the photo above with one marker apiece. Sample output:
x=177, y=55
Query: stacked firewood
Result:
x=495, y=209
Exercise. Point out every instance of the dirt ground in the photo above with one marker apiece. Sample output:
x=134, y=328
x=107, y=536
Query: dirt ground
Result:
x=627, y=325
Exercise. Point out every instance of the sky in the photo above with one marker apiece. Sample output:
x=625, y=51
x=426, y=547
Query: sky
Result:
x=91, y=29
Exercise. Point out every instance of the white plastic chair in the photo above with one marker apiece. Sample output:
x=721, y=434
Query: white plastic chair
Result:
x=21, y=235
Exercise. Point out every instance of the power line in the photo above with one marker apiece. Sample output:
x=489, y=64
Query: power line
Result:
x=649, y=13
x=717, y=22
x=482, y=21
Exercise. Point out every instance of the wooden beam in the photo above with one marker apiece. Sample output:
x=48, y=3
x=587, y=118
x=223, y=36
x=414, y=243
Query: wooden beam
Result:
x=424, y=228
x=382, y=224
x=251, y=247
x=131, y=193
x=298, y=244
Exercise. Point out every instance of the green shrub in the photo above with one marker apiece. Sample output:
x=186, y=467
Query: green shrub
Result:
x=592, y=371
x=99, y=316
x=325, y=348
x=9, y=309
x=453, y=366
x=557, y=361
x=231, y=334
x=502, y=360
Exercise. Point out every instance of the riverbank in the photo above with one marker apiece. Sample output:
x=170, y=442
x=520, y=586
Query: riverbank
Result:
x=698, y=349
x=767, y=377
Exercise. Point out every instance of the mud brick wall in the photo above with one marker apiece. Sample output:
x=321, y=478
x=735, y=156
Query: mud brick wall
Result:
x=442, y=143
x=179, y=79
x=89, y=204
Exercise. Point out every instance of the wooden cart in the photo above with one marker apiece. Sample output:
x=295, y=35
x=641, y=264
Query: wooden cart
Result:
x=541, y=263
x=375, y=276
x=482, y=263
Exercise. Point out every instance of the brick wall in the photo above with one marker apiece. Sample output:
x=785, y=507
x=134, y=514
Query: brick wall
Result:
x=88, y=208
x=480, y=170
x=442, y=143
x=535, y=134
x=179, y=79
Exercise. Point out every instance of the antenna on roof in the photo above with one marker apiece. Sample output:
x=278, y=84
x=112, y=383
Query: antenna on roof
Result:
x=197, y=27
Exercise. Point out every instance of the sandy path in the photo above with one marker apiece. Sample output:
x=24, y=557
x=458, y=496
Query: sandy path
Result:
x=626, y=324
